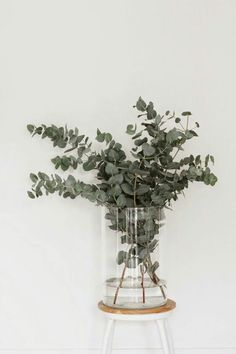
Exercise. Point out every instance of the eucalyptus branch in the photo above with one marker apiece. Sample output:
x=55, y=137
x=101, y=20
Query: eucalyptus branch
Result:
x=142, y=282
x=120, y=283
x=151, y=178
x=176, y=153
x=116, y=173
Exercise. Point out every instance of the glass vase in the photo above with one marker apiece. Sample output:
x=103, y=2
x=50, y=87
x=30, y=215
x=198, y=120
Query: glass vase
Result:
x=130, y=257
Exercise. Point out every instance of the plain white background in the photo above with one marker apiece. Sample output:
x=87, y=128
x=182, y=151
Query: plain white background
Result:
x=85, y=63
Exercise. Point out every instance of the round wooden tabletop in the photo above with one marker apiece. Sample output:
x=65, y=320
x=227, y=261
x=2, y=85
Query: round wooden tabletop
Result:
x=169, y=306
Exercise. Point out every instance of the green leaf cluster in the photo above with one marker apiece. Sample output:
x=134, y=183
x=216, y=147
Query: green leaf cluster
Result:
x=153, y=177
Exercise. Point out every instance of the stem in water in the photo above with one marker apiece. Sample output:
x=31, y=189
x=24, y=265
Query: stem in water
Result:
x=154, y=277
x=120, y=283
x=142, y=282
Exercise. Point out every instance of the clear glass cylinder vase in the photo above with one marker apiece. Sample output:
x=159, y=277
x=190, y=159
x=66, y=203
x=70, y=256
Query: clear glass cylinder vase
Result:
x=130, y=239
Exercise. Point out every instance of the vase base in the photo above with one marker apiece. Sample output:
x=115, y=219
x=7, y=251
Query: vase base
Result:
x=137, y=303
x=132, y=295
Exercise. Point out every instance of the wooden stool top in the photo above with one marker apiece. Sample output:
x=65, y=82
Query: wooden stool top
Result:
x=170, y=305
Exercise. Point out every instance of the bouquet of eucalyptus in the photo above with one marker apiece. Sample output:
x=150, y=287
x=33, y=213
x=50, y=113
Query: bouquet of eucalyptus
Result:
x=151, y=175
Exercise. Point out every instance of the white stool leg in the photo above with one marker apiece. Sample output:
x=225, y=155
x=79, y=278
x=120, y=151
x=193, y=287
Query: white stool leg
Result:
x=111, y=337
x=108, y=336
x=169, y=336
x=165, y=336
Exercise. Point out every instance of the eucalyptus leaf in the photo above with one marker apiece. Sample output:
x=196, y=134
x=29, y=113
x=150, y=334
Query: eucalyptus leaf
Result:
x=190, y=134
x=101, y=196
x=127, y=189
x=186, y=113
x=121, y=201
x=70, y=181
x=173, y=135
x=61, y=143
x=207, y=160
x=141, y=105
x=212, y=179
x=158, y=119
x=115, y=191
x=100, y=136
x=33, y=177
x=137, y=135
x=148, y=149
x=131, y=129
x=108, y=137
x=30, y=128
x=31, y=195
x=121, y=257
x=90, y=164
x=151, y=113
x=142, y=189
x=111, y=169
x=116, y=179
x=113, y=155
x=43, y=176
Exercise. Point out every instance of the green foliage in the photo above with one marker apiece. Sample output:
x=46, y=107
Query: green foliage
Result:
x=153, y=177
x=137, y=230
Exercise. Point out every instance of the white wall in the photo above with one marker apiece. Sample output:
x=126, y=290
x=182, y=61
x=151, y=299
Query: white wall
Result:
x=85, y=63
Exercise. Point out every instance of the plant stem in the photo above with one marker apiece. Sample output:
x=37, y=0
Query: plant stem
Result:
x=154, y=277
x=120, y=283
x=176, y=153
x=135, y=183
x=160, y=286
x=142, y=283
x=182, y=126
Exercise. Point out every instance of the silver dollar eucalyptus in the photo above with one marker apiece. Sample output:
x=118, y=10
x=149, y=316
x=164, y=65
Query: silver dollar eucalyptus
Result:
x=154, y=176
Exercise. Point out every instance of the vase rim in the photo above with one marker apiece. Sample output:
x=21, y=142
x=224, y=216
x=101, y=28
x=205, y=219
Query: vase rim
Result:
x=133, y=208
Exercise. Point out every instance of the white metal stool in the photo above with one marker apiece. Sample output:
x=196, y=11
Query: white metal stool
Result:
x=158, y=314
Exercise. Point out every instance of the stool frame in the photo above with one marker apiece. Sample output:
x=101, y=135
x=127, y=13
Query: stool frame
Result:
x=159, y=315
